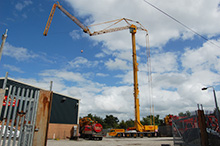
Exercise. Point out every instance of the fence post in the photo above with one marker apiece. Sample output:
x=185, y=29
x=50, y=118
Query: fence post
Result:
x=202, y=126
x=42, y=118
x=2, y=96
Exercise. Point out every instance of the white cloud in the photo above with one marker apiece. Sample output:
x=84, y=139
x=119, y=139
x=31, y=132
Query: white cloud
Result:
x=124, y=55
x=75, y=34
x=13, y=68
x=100, y=55
x=102, y=75
x=20, y=6
x=164, y=62
x=64, y=75
x=24, y=15
x=206, y=57
x=44, y=83
x=169, y=80
x=18, y=53
x=117, y=64
x=79, y=62
x=126, y=78
x=115, y=99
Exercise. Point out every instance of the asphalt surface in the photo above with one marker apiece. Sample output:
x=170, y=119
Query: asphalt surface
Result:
x=156, y=141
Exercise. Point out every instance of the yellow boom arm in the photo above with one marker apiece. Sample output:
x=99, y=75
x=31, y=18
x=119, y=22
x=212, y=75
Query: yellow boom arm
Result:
x=85, y=29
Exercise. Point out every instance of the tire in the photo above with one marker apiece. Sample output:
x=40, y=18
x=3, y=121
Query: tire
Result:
x=127, y=135
x=149, y=135
x=134, y=135
x=141, y=135
x=119, y=135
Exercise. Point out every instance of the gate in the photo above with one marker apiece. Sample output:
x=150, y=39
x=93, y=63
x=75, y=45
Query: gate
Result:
x=18, y=116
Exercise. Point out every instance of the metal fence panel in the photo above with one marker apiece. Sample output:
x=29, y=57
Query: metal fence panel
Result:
x=212, y=128
x=19, y=114
x=186, y=131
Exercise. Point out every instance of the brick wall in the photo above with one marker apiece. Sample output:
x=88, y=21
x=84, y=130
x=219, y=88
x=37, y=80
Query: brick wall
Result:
x=61, y=131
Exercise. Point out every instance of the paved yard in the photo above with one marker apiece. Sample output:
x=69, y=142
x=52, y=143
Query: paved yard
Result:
x=114, y=142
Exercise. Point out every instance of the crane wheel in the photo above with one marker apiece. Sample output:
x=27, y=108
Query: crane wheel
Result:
x=134, y=135
x=127, y=134
x=141, y=135
x=118, y=135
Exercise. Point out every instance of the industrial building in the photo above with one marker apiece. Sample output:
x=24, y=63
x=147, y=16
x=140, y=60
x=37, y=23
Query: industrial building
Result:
x=64, y=111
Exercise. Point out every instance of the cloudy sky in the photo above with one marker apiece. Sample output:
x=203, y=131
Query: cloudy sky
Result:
x=102, y=76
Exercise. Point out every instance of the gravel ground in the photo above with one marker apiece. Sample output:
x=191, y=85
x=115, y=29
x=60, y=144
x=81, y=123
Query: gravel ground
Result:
x=114, y=142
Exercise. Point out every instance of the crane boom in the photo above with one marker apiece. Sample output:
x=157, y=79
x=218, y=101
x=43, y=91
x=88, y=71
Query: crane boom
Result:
x=74, y=19
x=109, y=30
x=139, y=127
x=85, y=29
x=133, y=29
x=49, y=19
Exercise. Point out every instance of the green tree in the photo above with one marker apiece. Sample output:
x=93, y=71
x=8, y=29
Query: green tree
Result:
x=111, y=121
x=122, y=125
x=148, y=120
x=90, y=116
x=130, y=123
x=157, y=120
x=187, y=113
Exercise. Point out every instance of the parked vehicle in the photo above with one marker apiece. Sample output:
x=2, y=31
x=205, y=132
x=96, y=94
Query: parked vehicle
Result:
x=148, y=131
x=90, y=129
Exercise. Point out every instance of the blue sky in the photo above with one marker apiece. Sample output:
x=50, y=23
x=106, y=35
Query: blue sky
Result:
x=102, y=76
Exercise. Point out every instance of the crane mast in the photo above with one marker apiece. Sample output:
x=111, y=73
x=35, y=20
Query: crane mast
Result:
x=133, y=29
x=138, y=125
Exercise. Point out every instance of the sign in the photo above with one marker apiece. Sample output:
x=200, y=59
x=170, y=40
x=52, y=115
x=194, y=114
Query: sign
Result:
x=9, y=102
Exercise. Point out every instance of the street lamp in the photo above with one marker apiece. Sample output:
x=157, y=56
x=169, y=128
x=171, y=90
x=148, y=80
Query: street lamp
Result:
x=216, y=104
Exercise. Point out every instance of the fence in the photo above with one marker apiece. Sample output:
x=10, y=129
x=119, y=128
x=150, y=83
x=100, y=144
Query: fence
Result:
x=212, y=128
x=19, y=114
x=25, y=116
x=197, y=130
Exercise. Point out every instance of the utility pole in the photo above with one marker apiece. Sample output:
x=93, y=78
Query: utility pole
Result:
x=51, y=85
x=4, y=36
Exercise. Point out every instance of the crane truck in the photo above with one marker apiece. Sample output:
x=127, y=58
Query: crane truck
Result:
x=133, y=26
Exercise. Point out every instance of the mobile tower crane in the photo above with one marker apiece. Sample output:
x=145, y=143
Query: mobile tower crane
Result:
x=149, y=130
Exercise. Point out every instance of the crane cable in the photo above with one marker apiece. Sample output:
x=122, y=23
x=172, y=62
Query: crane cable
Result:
x=211, y=42
x=150, y=90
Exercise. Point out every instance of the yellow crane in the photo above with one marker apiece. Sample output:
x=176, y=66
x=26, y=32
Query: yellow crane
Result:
x=133, y=26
